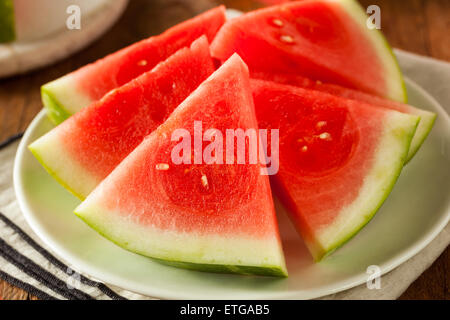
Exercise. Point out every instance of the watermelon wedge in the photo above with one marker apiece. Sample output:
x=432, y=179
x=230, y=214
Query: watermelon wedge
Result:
x=427, y=118
x=207, y=217
x=325, y=40
x=339, y=159
x=69, y=94
x=83, y=150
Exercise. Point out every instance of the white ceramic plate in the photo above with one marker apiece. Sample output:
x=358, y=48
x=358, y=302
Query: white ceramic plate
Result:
x=416, y=211
x=22, y=56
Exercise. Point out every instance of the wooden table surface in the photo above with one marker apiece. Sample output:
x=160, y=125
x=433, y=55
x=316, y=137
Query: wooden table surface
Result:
x=420, y=26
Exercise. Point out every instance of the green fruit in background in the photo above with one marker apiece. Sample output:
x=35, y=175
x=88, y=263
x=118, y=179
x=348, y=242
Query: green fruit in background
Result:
x=7, y=31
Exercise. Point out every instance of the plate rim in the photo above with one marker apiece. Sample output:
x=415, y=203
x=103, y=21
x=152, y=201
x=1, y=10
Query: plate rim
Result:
x=95, y=273
x=23, y=57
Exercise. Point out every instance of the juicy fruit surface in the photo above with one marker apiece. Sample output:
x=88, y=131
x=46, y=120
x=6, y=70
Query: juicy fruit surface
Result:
x=92, y=82
x=423, y=129
x=125, y=65
x=317, y=139
x=7, y=29
x=324, y=40
x=222, y=214
x=93, y=142
x=328, y=153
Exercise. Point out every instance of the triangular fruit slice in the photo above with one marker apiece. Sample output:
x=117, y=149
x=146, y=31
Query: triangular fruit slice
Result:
x=427, y=118
x=338, y=159
x=207, y=217
x=83, y=150
x=324, y=40
x=67, y=95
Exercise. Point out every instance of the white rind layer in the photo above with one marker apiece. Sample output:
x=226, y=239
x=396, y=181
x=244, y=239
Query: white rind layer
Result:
x=65, y=95
x=426, y=123
x=50, y=152
x=169, y=245
x=390, y=157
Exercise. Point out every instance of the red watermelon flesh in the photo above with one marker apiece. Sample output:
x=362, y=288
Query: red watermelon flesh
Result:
x=83, y=150
x=339, y=159
x=427, y=118
x=323, y=40
x=211, y=217
x=67, y=95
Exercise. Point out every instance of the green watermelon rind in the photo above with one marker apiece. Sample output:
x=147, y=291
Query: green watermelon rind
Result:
x=7, y=21
x=399, y=70
x=319, y=252
x=37, y=154
x=55, y=111
x=261, y=270
x=427, y=120
x=355, y=10
x=65, y=90
x=267, y=271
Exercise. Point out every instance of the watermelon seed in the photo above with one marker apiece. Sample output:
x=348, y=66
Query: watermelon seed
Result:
x=204, y=181
x=162, y=166
x=318, y=82
x=142, y=63
x=321, y=124
x=277, y=23
x=325, y=136
x=287, y=39
x=304, y=148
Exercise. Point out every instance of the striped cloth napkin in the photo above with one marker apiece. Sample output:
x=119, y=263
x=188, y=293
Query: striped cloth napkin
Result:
x=27, y=264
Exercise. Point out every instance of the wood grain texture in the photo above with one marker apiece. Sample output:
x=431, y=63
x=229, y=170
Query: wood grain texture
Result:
x=420, y=26
x=8, y=292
